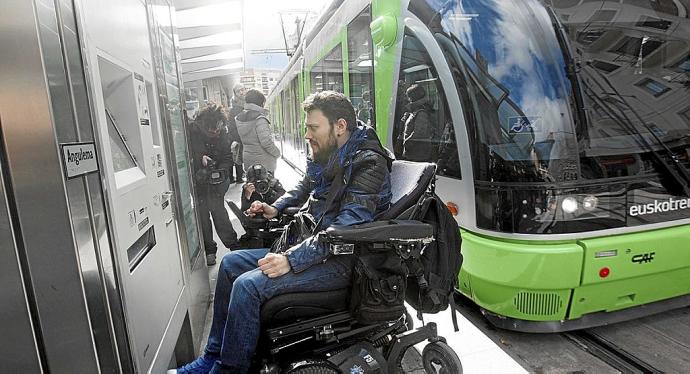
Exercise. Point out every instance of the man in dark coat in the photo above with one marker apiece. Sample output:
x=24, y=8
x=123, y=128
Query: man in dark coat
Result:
x=212, y=162
x=247, y=278
x=418, y=131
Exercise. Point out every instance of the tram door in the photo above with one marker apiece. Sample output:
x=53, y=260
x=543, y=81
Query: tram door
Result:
x=138, y=194
x=444, y=140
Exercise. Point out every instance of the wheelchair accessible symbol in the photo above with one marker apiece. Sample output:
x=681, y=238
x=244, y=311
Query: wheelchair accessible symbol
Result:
x=356, y=370
x=522, y=124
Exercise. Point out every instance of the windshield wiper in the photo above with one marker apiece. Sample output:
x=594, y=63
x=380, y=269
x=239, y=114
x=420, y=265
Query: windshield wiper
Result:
x=571, y=72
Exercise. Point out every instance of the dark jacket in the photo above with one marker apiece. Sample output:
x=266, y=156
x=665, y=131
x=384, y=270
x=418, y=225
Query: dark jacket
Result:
x=367, y=194
x=257, y=137
x=236, y=107
x=216, y=148
x=418, y=132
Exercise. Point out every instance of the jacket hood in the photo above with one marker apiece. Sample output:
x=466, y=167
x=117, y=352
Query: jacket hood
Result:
x=250, y=113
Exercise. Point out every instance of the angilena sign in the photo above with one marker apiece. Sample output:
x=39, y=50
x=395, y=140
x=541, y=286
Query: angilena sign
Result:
x=78, y=159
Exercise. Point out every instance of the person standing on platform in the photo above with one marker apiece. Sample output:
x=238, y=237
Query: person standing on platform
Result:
x=236, y=107
x=212, y=162
x=256, y=132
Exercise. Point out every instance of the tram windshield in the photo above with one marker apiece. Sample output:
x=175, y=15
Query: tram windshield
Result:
x=581, y=98
x=563, y=90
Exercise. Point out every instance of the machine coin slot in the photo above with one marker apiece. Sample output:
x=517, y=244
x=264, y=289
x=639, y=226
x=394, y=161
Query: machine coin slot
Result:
x=137, y=251
x=167, y=209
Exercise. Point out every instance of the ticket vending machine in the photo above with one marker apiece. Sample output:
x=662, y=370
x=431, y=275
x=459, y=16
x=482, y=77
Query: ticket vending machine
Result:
x=119, y=51
x=101, y=256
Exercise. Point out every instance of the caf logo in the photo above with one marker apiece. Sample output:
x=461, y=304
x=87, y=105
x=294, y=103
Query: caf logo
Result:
x=643, y=258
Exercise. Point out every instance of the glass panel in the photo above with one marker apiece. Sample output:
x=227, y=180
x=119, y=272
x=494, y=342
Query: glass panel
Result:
x=298, y=116
x=361, y=67
x=124, y=131
x=598, y=99
x=630, y=112
x=327, y=74
x=171, y=101
x=515, y=100
x=424, y=132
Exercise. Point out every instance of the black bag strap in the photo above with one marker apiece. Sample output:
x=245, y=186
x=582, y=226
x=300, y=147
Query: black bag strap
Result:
x=453, y=310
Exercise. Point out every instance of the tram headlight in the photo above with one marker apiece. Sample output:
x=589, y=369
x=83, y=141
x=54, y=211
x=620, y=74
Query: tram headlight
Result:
x=590, y=203
x=569, y=205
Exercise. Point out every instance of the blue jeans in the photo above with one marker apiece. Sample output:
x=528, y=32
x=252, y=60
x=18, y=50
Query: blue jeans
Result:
x=242, y=288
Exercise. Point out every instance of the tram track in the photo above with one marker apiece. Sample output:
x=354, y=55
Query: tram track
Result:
x=654, y=344
x=609, y=352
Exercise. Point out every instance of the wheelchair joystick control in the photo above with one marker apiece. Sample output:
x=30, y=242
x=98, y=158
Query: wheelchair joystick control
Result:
x=270, y=369
x=326, y=332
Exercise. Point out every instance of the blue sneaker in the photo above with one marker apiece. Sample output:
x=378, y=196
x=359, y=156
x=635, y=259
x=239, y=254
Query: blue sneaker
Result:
x=201, y=365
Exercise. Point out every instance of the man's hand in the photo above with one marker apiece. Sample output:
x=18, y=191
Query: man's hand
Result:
x=259, y=207
x=205, y=159
x=249, y=189
x=274, y=265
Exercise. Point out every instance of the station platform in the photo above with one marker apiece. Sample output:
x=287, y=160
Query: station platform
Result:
x=478, y=353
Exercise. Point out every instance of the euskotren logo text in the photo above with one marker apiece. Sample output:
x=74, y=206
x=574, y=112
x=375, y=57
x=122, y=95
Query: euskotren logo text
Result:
x=657, y=206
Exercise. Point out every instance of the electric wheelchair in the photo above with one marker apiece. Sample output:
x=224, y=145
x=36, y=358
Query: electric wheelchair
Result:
x=315, y=333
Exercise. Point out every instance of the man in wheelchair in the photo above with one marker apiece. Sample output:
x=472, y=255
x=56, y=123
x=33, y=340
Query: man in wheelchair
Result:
x=285, y=310
x=248, y=278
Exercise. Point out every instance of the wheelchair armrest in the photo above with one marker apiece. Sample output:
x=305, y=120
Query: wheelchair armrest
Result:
x=291, y=211
x=256, y=222
x=380, y=232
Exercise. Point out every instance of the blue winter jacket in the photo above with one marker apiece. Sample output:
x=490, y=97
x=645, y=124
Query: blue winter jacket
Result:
x=367, y=194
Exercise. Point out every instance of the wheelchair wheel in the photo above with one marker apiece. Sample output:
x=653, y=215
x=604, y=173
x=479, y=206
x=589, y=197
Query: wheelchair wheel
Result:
x=409, y=321
x=439, y=358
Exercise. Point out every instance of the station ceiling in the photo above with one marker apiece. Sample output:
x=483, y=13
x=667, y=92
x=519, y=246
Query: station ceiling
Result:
x=211, y=37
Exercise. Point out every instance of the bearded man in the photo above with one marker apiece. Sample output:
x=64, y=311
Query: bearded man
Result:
x=248, y=278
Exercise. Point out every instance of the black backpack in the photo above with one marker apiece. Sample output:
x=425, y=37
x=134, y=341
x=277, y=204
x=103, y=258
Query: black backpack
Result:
x=434, y=276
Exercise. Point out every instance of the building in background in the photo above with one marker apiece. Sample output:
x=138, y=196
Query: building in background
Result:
x=211, y=49
x=262, y=80
x=217, y=48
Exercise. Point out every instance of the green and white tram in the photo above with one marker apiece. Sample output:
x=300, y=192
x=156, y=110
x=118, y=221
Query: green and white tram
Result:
x=562, y=133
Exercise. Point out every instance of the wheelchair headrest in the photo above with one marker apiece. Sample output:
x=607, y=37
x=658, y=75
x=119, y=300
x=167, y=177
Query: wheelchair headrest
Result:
x=409, y=181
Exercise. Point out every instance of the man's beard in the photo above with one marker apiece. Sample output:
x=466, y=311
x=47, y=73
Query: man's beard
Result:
x=325, y=152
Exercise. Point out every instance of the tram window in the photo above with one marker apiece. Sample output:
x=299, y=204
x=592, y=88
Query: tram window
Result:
x=297, y=107
x=327, y=74
x=360, y=66
x=287, y=118
x=423, y=130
